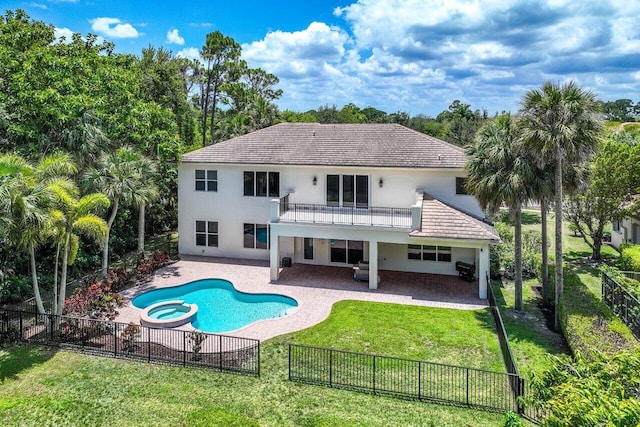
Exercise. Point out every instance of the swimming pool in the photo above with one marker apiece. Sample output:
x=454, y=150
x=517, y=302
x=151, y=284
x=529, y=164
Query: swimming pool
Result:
x=221, y=307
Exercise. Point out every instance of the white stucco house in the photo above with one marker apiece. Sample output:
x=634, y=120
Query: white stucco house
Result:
x=335, y=195
x=626, y=230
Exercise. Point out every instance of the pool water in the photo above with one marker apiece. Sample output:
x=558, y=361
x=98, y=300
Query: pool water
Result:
x=221, y=307
x=166, y=313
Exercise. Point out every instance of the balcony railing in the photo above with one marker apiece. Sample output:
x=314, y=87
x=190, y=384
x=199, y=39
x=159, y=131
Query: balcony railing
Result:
x=344, y=215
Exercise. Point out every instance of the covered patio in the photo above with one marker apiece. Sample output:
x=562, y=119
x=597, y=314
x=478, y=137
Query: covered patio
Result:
x=436, y=288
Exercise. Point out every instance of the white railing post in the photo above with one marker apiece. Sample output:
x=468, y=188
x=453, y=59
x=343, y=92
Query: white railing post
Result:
x=275, y=210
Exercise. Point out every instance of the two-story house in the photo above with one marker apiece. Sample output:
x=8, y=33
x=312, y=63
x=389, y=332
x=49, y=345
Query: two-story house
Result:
x=330, y=194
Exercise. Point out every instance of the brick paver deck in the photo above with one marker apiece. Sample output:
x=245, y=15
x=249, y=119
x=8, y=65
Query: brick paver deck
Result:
x=316, y=288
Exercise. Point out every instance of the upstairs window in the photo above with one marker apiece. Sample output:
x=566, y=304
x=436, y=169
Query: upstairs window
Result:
x=461, y=185
x=261, y=184
x=206, y=180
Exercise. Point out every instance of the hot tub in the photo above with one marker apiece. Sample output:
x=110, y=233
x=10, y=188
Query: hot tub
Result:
x=168, y=314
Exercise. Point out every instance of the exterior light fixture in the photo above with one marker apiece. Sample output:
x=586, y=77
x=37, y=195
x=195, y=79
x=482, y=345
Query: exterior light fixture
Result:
x=315, y=180
x=381, y=183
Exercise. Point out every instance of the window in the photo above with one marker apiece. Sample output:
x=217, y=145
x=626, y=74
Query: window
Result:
x=348, y=190
x=461, y=185
x=444, y=253
x=429, y=253
x=616, y=225
x=333, y=190
x=308, y=248
x=207, y=233
x=206, y=180
x=415, y=251
x=347, y=251
x=261, y=184
x=256, y=236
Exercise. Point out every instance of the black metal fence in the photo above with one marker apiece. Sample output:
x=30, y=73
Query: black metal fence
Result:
x=404, y=378
x=168, y=346
x=625, y=305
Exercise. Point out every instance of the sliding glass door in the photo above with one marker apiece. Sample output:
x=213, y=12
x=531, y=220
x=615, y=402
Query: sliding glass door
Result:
x=348, y=190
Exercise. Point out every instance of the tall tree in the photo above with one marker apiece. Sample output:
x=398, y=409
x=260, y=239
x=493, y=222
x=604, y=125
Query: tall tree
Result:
x=219, y=53
x=74, y=217
x=27, y=197
x=146, y=193
x=117, y=176
x=499, y=172
x=560, y=124
x=614, y=176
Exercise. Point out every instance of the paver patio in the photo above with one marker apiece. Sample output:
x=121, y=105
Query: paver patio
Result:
x=315, y=288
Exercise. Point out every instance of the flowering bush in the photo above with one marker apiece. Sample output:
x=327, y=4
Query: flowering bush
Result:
x=146, y=266
x=97, y=301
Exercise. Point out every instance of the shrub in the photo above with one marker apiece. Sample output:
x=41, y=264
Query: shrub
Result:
x=119, y=279
x=505, y=231
x=595, y=391
x=97, y=301
x=129, y=335
x=15, y=288
x=629, y=258
x=588, y=324
x=511, y=419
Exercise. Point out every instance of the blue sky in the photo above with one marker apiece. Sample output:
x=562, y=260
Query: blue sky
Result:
x=410, y=55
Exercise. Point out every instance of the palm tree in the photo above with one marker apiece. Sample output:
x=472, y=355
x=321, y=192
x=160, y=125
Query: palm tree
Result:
x=146, y=192
x=72, y=218
x=27, y=194
x=117, y=176
x=559, y=125
x=497, y=173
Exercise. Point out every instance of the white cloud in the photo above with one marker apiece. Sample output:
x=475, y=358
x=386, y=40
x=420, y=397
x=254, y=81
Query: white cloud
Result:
x=113, y=27
x=189, y=52
x=63, y=32
x=174, y=37
x=38, y=5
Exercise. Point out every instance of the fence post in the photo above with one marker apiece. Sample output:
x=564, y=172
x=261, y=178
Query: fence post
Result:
x=220, y=350
x=467, y=386
x=290, y=349
x=115, y=339
x=330, y=368
x=184, y=348
x=520, y=393
x=374, y=374
x=419, y=380
x=21, y=331
x=148, y=345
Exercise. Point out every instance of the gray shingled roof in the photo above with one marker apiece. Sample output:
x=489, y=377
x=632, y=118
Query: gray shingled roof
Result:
x=372, y=145
x=439, y=220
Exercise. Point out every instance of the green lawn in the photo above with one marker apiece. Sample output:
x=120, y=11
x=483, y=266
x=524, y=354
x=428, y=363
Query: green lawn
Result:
x=45, y=387
x=530, y=339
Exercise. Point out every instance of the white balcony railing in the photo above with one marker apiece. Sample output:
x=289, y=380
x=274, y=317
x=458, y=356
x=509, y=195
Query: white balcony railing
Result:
x=344, y=215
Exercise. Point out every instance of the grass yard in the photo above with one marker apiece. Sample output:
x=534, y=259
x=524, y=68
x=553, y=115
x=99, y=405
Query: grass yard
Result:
x=45, y=387
x=530, y=339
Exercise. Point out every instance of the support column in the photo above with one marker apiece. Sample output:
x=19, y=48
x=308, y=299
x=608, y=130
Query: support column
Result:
x=483, y=271
x=274, y=255
x=373, y=264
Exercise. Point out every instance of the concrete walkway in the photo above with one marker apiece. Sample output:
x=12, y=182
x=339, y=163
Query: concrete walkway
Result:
x=315, y=288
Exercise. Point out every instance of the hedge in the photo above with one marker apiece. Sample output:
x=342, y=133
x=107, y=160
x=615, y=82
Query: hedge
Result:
x=587, y=323
x=629, y=258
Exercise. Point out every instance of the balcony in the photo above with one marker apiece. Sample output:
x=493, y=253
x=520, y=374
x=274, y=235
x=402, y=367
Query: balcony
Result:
x=344, y=215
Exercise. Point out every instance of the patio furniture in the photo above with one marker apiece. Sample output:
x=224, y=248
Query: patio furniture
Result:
x=361, y=272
